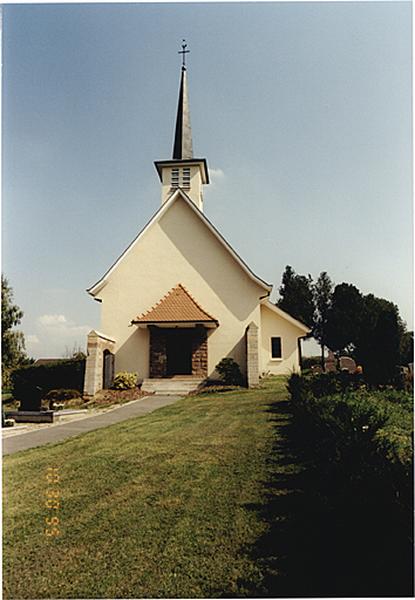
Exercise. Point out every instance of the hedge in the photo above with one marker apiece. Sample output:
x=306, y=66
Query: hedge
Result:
x=357, y=437
x=32, y=383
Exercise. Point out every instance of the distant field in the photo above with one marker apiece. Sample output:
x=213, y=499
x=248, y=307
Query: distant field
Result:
x=166, y=505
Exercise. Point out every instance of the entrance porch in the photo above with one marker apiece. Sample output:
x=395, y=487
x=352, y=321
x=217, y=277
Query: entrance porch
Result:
x=178, y=336
x=178, y=351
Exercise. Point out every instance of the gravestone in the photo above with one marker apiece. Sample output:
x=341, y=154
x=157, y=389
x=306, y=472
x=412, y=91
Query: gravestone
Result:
x=330, y=363
x=347, y=364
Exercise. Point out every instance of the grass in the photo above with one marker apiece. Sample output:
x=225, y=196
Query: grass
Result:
x=156, y=506
x=209, y=497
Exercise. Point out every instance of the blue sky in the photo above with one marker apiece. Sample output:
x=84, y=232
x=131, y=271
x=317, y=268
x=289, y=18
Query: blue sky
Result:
x=303, y=111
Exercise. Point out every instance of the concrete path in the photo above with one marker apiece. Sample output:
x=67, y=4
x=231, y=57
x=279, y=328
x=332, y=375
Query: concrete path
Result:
x=57, y=433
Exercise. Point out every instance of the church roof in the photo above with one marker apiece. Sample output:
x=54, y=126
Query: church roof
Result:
x=179, y=193
x=183, y=146
x=177, y=306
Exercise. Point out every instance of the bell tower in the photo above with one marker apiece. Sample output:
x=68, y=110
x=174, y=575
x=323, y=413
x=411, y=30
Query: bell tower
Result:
x=183, y=170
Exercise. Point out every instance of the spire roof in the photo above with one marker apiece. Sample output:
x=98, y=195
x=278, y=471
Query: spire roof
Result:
x=183, y=147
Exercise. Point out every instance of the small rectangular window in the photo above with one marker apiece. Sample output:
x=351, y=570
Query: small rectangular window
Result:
x=276, y=347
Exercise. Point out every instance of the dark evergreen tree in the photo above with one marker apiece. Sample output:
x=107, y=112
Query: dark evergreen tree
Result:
x=379, y=339
x=407, y=348
x=344, y=318
x=296, y=293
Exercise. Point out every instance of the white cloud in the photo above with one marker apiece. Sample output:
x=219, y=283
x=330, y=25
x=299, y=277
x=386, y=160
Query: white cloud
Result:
x=216, y=176
x=32, y=339
x=52, y=320
x=56, y=332
x=59, y=325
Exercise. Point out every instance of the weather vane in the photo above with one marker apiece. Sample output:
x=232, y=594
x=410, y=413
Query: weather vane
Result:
x=183, y=52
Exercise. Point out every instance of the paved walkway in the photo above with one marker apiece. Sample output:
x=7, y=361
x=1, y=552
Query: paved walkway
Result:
x=57, y=433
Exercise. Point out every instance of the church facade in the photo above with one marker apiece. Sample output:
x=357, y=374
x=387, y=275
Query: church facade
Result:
x=179, y=298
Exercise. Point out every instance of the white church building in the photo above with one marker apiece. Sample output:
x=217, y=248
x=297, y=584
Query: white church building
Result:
x=179, y=298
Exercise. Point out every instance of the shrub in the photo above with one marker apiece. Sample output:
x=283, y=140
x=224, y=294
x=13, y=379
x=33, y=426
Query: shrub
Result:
x=125, y=381
x=59, y=396
x=310, y=361
x=357, y=436
x=229, y=371
x=62, y=394
x=32, y=383
x=6, y=380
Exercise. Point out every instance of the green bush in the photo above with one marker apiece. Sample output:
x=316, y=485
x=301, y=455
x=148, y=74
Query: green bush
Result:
x=356, y=436
x=62, y=394
x=32, y=383
x=125, y=381
x=310, y=361
x=229, y=371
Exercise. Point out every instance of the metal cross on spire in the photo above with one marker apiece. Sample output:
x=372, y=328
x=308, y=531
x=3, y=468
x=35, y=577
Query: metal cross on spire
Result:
x=183, y=52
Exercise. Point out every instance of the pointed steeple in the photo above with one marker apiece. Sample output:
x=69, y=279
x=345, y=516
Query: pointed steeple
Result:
x=183, y=171
x=183, y=147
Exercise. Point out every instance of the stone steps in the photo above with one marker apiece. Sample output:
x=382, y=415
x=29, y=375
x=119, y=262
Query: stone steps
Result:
x=171, y=386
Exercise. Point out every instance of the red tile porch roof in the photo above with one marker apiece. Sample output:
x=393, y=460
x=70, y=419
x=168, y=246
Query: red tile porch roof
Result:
x=177, y=306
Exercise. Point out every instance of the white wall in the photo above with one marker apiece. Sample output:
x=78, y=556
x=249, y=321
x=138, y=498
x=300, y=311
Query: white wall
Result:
x=273, y=325
x=179, y=248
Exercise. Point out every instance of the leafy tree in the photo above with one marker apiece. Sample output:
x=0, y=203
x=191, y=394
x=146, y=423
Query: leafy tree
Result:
x=296, y=293
x=343, y=319
x=12, y=341
x=323, y=291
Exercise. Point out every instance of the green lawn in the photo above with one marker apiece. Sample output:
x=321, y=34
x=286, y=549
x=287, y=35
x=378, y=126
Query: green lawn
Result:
x=167, y=505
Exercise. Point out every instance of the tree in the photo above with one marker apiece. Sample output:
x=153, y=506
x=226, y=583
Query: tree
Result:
x=322, y=291
x=407, y=348
x=379, y=339
x=344, y=318
x=76, y=353
x=12, y=342
x=296, y=293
